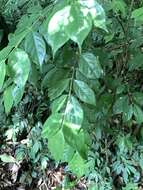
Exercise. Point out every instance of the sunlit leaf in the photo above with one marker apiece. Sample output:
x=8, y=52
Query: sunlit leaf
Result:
x=36, y=48
x=52, y=125
x=77, y=165
x=74, y=113
x=79, y=25
x=96, y=11
x=19, y=67
x=56, y=29
x=56, y=145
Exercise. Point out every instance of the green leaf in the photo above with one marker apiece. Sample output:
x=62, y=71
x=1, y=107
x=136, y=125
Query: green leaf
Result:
x=137, y=14
x=58, y=104
x=16, y=38
x=96, y=11
x=8, y=99
x=79, y=25
x=5, y=52
x=138, y=113
x=2, y=73
x=119, y=105
x=7, y=158
x=36, y=48
x=122, y=105
x=35, y=148
x=56, y=145
x=57, y=89
x=76, y=139
x=1, y=35
x=119, y=5
x=56, y=29
x=81, y=146
x=84, y=92
x=127, y=112
x=134, y=63
x=73, y=113
x=68, y=153
x=138, y=98
x=70, y=22
x=17, y=94
x=52, y=125
x=72, y=123
x=77, y=165
x=98, y=15
x=58, y=73
x=89, y=66
x=19, y=67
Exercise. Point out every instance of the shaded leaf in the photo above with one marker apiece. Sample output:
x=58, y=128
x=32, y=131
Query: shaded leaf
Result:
x=138, y=113
x=2, y=73
x=19, y=67
x=58, y=88
x=84, y=92
x=8, y=99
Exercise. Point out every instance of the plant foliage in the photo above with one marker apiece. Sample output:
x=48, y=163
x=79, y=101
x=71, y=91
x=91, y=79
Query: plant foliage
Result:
x=71, y=79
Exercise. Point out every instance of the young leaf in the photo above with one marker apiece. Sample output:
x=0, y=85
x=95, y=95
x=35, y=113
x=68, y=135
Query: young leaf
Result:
x=89, y=66
x=36, y=48
x=84, y=92
x=56, y=145
x=2, y=73
x=8, y=99
x=19, y=67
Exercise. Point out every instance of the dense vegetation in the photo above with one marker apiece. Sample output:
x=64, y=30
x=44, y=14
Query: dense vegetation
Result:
x=71, y=94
